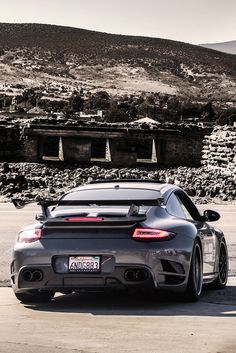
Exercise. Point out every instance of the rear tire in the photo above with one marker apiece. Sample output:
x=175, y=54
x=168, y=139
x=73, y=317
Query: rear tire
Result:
x=221, y=280
x=34, y=296
x=195, y=278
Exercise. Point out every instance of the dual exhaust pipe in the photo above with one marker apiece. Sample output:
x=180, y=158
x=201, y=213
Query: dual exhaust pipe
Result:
x=136, y=275
x=130, y=275
x=32, y=275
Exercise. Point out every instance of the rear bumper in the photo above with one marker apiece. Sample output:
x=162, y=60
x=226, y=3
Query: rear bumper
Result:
x=166, y=265
x=115, y=280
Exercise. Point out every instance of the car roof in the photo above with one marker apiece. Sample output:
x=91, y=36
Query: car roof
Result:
x=154, y=185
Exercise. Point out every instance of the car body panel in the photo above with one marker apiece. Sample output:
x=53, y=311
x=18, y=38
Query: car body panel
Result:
x=166, y=263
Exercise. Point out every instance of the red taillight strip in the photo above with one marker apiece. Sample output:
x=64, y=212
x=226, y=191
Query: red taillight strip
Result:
x=152, y=234
x=84, y=219
x=29, y=236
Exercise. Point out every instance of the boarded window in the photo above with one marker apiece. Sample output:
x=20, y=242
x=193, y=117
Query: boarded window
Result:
x=51, y=148
x=98, y=148
x=144, y=150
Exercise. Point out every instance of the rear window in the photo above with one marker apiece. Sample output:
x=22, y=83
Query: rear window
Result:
x=112, y=194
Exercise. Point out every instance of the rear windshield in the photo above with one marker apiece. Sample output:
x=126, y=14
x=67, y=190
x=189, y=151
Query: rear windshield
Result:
x=112, y=194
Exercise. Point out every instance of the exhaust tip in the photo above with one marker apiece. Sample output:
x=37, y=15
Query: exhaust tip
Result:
x=136, y=275
x=141, y=275
x=32, y=275
x=37, y=275
x=27, y=275
x=130, y=275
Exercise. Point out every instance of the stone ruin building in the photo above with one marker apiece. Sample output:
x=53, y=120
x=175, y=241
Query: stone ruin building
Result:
x=126, y=146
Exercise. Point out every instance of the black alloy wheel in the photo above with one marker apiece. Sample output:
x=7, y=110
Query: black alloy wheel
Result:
x=195, y=279
x=223, y=268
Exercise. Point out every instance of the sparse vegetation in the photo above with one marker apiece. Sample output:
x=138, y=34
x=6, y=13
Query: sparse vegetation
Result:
x=72, y=70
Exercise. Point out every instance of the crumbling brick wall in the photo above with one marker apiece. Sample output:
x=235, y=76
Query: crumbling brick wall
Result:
x=219, y=151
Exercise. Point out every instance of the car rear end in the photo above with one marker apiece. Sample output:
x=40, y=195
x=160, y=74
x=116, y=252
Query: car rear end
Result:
x=118, y=242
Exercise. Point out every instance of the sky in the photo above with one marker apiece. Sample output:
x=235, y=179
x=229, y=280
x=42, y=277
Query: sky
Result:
x=190, y=21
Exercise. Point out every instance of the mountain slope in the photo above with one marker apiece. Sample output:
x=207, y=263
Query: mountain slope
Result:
x=119, y=64
x=94, y=46
x=225, y=47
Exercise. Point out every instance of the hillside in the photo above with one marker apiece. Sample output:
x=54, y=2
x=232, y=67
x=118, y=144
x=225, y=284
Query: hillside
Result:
x=225, y=47
x=32, y=54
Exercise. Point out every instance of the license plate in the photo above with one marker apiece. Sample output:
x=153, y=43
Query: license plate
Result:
x=84, y=264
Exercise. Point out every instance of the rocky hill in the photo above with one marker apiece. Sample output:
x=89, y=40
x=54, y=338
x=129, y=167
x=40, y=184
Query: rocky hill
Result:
x=32, y=54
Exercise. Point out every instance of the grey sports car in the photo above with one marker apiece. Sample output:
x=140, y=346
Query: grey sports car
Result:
x=119, y=234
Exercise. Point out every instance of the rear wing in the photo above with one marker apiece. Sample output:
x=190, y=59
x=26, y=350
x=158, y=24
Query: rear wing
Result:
x=133, y=203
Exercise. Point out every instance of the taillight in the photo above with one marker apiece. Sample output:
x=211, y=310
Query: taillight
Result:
x=84, y=219
x=30, y=235
x=152, y=234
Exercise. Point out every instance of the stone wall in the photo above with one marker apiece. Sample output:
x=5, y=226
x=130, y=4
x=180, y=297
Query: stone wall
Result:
x=76, y=150
x=123, y=152
x=219, y=151
x=180, y=150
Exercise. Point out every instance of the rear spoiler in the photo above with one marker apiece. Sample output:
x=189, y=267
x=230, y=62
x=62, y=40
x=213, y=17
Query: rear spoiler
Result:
x=45, y=204
x=133, y=210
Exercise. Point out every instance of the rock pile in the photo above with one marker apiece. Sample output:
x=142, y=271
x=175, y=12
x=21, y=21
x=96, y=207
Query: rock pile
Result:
x=35, y=181
x=219, y=151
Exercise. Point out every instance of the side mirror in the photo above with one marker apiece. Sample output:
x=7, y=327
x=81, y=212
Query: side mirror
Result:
x=211, y=216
